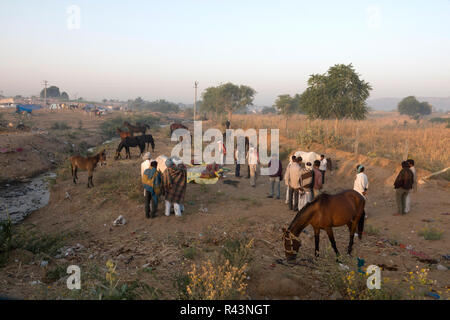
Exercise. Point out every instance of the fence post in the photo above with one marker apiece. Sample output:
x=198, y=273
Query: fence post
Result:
x=357, y=141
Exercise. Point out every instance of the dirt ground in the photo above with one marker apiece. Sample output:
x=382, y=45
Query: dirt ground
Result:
x=232, y=212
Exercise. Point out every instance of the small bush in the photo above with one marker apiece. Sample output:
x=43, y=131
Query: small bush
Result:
x=5, y=240
x=189, y=253
x=60, y=126
x=430, y=234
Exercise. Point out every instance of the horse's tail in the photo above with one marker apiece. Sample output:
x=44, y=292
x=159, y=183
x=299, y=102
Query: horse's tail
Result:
x=361, y=224
x=71, y=167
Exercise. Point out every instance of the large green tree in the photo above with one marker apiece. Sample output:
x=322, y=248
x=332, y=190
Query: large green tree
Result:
x=287, y=106
x=413, y=108
x=338, y=94
x=227, y=98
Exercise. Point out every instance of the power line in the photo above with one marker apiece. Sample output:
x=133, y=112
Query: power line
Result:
x=45, y=92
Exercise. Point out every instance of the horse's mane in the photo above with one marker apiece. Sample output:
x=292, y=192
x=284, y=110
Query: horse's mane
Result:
x=321, y=198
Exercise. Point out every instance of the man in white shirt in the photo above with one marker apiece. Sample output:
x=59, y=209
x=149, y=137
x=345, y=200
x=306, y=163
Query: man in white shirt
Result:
x=323, y=167
x=253, y=160
x=361, y=182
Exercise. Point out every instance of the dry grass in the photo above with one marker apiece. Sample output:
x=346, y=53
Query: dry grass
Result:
x=385, y=135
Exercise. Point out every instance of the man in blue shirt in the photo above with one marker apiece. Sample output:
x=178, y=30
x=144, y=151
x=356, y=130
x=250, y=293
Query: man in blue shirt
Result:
x=151, y=181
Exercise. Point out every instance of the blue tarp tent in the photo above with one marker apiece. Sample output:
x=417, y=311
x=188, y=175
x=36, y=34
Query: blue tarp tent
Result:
x=27, y=108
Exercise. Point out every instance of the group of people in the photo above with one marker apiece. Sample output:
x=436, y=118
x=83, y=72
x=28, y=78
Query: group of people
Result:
x=304, y=181
x=170, y=184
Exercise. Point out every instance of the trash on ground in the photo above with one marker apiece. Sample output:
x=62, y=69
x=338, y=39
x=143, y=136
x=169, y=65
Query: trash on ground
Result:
x=120, y=221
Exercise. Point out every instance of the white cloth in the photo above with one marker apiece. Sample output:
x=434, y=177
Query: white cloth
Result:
x=323, y=164
x=176, y=207
x=303, y=199
x=361, y=183
x=144, y=166
x=252, y=156
x=408, y=196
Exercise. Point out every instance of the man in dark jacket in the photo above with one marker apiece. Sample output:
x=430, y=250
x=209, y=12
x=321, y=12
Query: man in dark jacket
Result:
x=403, y=184
x=275, y=175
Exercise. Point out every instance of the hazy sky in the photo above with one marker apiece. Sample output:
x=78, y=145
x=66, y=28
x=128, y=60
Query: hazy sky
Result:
x=157, y=49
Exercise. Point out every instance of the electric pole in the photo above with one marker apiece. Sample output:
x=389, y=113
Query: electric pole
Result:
x=45, y=93
x=195, y=98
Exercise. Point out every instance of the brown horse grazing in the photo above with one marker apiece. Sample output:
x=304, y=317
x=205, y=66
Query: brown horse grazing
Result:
x=124, y=134
x=89, y=164
x=133, y=129
x=175, y=126
x=325, y=212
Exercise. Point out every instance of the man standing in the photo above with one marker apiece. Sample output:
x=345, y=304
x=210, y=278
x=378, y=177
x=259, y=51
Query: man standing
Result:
x=294, y=183
x=361, y=183
x=253, y=160
x=403, y=184
x=306, y=189
x=286, y=177
x=151, y=180
x=414, y=187
x=323, y=167
x=237, y=172
x=174, y=181
x=275, y=175
x=317, y=179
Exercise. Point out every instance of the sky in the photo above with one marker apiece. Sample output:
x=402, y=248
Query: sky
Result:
x=113, y=49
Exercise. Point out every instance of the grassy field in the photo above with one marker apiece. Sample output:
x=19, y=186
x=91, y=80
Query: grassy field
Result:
x=386, y=135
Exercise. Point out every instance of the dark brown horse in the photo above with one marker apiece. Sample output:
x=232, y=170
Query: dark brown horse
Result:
x=130, y=142
x=124, y=134
x=325, y=212
x=89, y=164
x=134, y=129
x=175, y=126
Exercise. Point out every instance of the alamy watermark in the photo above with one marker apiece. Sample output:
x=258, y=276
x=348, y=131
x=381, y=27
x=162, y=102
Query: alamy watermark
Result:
x=73, y=21
x=251, y=145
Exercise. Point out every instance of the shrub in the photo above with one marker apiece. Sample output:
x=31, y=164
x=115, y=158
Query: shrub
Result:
x=60, y=126
x=430, y=234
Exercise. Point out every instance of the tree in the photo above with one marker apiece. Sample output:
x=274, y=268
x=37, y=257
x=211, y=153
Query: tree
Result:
x=337, y=94
x=267, y=110
x=227, y=98
x=287, y=106
x=65, y=96
x=52, y=92
x=412, y=107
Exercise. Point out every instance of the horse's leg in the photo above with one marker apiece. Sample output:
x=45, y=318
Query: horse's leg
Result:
x=352, y=228
x=317, y=241
x=333, y=242
x=352, y=235
x=75, y=177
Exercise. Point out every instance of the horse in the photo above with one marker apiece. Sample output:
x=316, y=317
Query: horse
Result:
x=89, y=164
x=127, y=143
x=175, y=126
x=142, y=125
x=325, y=212
x=124, y=134
x=148, y=139
x=134, y=129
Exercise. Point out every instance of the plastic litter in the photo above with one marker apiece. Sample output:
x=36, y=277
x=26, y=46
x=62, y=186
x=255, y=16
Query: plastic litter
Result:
x=433, y=295
x=441, y=267
x=120, y=221
x=343, y=267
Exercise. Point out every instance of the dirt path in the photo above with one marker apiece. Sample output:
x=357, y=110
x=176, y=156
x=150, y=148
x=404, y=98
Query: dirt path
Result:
x=233, y=212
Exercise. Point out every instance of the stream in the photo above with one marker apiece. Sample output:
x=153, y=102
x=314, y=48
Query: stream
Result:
x=19, y=199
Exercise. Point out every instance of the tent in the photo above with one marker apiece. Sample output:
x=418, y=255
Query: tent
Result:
x=27, y=108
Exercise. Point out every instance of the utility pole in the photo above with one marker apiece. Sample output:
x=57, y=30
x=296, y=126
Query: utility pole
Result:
x=195, y=99
x=45, y=93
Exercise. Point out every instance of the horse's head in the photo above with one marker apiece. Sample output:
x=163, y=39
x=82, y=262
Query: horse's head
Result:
x=102, y=157
x=291, y=244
